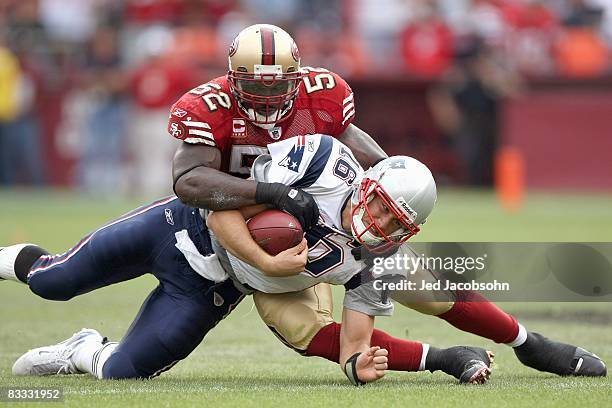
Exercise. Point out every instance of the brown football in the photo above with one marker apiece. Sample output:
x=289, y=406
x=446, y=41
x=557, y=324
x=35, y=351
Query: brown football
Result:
x=275, y=230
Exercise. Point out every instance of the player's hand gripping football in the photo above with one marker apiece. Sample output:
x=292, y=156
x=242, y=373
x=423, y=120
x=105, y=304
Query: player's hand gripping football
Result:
x=292, y=200
x=289, y=262
x=372, y=364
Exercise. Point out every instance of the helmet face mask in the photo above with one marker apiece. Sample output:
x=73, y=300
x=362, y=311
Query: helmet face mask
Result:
x=264, y=74
x=370, y=233
x=400, y=193
x=264, y=99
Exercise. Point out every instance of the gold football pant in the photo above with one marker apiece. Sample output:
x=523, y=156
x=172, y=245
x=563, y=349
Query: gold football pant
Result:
x=296, y=317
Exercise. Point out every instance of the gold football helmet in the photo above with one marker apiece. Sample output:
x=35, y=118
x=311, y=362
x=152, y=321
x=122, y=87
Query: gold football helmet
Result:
x=264, y=73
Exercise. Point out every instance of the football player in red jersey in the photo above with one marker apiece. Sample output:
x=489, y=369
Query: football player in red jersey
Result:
x=226, y=123
x=266, y=96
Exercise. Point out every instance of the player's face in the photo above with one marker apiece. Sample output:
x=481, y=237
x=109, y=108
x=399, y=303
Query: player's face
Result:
x=265, y=98
x=382, y=216
x=260, y=88
x=271, y=94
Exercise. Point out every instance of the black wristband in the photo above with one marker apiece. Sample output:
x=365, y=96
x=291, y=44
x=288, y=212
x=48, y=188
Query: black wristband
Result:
x=267, y=193
x=350, y=370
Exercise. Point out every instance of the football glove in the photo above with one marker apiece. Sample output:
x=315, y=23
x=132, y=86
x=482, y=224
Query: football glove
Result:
x=292, y=200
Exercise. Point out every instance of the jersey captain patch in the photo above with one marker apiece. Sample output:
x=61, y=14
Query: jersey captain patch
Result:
x=239, y=128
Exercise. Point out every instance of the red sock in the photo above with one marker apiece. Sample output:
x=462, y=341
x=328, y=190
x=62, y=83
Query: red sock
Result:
x=326, y=343
x=475, y=314
x=404, y=355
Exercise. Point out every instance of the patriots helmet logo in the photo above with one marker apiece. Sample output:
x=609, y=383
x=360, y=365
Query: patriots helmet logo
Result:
x=293, y=160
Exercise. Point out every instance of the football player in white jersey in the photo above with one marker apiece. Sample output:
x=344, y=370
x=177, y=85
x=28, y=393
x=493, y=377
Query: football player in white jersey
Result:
x=383, y=206
x=387, y=204
x=371, y=214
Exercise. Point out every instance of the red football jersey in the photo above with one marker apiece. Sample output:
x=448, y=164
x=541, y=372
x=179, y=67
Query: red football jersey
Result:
x=209, y=115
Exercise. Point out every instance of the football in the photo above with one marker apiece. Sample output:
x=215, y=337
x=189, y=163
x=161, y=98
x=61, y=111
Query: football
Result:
x=275, y=230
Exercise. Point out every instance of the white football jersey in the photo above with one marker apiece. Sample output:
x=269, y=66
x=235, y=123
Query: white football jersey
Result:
x=325, y=168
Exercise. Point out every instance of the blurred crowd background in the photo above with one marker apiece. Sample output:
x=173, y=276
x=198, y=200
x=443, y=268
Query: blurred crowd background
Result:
x=468, y=86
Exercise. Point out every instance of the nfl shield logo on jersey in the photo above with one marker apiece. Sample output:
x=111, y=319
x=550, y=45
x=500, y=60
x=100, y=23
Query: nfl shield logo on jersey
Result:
x=275, y=133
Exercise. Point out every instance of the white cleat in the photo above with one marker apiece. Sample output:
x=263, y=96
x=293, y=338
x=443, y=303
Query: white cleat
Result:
x=55, y=359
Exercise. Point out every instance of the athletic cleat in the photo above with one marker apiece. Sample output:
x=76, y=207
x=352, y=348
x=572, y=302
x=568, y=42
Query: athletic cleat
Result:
x=55, y=359
x=587, y=364
x=471, y=365
x=476, y=371
x=550, y=356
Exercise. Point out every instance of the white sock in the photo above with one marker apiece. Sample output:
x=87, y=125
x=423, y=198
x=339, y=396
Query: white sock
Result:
x=424, y=357
x=101, y=356
x=91, y=356
x=7, y=261
x=521, y=337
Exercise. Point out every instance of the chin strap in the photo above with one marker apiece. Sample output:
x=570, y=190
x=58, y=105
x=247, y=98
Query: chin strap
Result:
x=350, y=369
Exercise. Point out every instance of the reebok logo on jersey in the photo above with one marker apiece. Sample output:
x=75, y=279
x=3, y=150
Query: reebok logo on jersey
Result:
x=169, y=218
x=179, y=113
x=292, y=193
x=311, y=146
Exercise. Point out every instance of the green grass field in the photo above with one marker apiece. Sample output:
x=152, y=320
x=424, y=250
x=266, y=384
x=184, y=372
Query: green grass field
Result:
x=240, y=363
